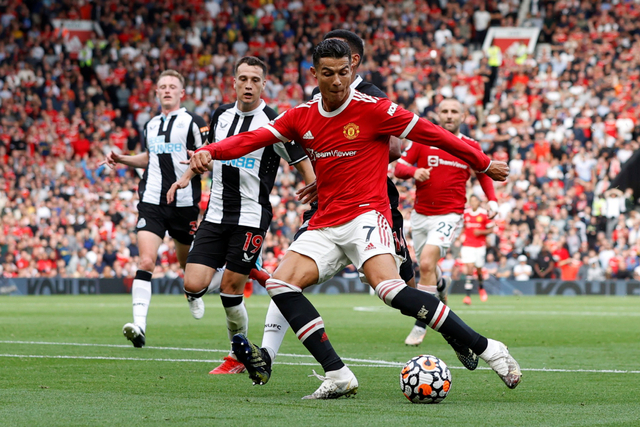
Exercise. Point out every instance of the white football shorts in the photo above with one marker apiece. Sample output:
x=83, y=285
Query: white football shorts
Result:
x=436, y=230
x=333, y=248
x=473, y=255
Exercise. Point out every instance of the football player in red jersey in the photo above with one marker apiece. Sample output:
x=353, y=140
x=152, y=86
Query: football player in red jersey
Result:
x=436, y=221
x=478, y=224
x=346, y=135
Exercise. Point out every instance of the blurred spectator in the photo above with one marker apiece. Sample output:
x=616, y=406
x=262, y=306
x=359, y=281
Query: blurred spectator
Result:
x=522, y=271
x=565, y=120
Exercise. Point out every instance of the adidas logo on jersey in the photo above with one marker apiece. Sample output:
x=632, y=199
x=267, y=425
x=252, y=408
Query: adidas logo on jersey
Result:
x=307, y=135
x=369, y=247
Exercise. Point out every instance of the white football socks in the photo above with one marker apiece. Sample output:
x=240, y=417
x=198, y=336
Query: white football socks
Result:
x=275, y=327
x=237, y=317
x=141, y=297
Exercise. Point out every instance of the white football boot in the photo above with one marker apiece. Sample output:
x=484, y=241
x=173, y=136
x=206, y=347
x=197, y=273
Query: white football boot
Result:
x=498, y=358
x=196, y=305
x=416, y=336
x=336, y=384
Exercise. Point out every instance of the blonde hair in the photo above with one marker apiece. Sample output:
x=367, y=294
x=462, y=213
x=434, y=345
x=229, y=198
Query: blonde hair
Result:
x=172, y=73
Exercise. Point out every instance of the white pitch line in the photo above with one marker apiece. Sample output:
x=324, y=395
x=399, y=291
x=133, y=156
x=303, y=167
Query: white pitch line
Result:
x=386, y=365
x=370, y=361
x=361, y=363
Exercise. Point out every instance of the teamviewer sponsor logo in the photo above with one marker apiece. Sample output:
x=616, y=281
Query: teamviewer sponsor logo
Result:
x=437, y=161
x=316, y=155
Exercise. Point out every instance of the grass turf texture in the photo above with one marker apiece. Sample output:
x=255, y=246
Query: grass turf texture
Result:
x=112, y=383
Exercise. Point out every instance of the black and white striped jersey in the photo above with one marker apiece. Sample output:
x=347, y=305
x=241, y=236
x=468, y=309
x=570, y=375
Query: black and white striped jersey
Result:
x=240, y=188
x=167, y=140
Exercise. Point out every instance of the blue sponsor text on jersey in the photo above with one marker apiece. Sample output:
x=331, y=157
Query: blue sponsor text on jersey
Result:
x=241, y=162
x=165, y=148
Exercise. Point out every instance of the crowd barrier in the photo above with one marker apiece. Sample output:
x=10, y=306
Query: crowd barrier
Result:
x=337, y=285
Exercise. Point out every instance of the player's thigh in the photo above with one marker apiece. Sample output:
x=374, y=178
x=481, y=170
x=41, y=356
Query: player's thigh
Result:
x=209, y=247
x=365, y=237
x=297, y=269
x=379, y=268
x=197, y=276
x=182, y=251
x=429, y=258
x=244, y=248
x=148, y=244
x=183, y=223
x=319, y=247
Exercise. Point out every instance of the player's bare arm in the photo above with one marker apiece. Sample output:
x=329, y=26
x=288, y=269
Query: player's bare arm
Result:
x=140, y=160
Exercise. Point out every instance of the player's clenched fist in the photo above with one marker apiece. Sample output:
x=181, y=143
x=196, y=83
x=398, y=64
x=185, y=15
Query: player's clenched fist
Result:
x=200, y=161
x=498, y=171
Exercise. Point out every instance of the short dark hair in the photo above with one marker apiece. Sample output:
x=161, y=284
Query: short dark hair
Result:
x=331, y=48
x=252, y=61
x=353, y=40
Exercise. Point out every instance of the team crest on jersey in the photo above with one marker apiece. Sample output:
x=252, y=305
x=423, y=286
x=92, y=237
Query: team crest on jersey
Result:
x=351, y=131
x=479, y=219
x=141, y=223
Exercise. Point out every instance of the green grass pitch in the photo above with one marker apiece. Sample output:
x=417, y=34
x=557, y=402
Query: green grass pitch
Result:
x=64, y=362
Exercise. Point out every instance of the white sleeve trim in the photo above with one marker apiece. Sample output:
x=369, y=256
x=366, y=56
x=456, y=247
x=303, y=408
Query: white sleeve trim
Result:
x=409, y=127
x=404, y=162
x=490, y=161
x=276, y=133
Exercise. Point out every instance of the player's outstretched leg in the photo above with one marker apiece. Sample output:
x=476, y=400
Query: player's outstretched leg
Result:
x=423, y=306
x=309, y=328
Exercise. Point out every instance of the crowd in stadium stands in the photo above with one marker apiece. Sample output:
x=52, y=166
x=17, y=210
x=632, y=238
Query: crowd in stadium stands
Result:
x=566, y=119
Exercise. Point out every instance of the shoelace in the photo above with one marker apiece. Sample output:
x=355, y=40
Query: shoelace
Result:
x=320, y=377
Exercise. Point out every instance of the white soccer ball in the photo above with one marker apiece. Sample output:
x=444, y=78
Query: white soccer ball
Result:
x=425, y=379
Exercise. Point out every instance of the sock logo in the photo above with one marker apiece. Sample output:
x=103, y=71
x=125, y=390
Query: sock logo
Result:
x=324, y=337
x=272, y=326
x=422, y=313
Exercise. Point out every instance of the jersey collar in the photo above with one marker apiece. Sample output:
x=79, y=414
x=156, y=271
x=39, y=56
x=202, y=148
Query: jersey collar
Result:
x=334, y=113
x=260, y=107
x=356, y=82
x=173, y=113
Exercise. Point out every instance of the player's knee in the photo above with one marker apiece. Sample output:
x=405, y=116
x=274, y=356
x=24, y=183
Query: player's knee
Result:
x=193, y=283
x=277, y=287
x=146, y=263
x=427, y=266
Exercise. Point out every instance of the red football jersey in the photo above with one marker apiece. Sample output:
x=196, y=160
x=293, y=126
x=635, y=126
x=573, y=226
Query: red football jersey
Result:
x=476, y=220
x=445, y=190
x=349, y=150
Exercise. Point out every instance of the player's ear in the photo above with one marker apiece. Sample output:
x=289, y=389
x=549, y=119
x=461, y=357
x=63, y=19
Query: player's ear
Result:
x=313, y=71
x=355, y=60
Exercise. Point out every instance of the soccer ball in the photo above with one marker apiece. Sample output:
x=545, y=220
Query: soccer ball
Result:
x=425, y=379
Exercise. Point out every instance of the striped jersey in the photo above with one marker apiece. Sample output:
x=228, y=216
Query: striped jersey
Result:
x=167, y=139
x=240, y=188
